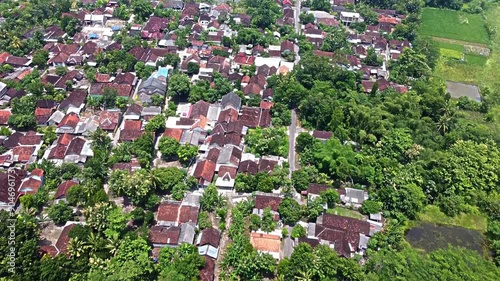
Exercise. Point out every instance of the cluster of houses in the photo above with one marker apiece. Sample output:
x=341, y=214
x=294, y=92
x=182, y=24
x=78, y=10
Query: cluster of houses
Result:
x=218, y=128
x=346, y=235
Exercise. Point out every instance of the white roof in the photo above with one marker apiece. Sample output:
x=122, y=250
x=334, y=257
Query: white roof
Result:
x=349, y=14
x=260, y=61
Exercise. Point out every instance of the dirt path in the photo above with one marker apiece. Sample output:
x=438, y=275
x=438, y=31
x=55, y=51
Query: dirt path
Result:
x=224, y=242
x=459, y=42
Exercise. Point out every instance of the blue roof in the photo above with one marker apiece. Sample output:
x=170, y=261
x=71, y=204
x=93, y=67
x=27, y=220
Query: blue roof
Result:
x=115, y=28
x=93, y=35
x=162, y=71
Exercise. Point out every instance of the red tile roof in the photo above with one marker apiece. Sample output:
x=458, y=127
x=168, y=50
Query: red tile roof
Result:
x=264, y=201
x=173, y=133
x=70, y=120
x=168, y=212
x=164, y=235
x=4, y=116
x=63, y=188
x=205, y=170
x=188, y=214
x=62, y=242
x=23, y=153
x=64, y=139
x=265, y=242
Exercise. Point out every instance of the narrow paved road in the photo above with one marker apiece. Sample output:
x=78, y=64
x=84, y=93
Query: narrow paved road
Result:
x=291, y=135
x=297, y=13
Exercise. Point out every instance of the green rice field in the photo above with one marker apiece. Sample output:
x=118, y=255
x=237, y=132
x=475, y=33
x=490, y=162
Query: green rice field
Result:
x=454, y=25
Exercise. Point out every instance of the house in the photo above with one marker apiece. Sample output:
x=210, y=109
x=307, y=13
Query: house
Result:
x=253, y=117
x=204, y=172
x=168, y=213
x=322, y=135
x=231, y=100
x=93, y=19
x=350, y=17
x=132, y=130
x=346, y=235
x=173, y=213
x=150, y=87
x=267, y=200
x=314, y=190
x=174, y=4
x=133, y=112
x=164, y=236
x=208, y=242
x=62, y=189
x=154, y=28
x=266, y=243
x=226, y=176
x=109, y=120
x=353, y=197
x=9, y=192
x=248, y=167
x=63, y=240
x=68, y=123
x=31, y=183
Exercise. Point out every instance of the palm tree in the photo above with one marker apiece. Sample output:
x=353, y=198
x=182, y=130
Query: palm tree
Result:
x=15, y=42
x=305, y=275
x=95, y=242
x=76, y=247
x=113, y=244
x=443, y=124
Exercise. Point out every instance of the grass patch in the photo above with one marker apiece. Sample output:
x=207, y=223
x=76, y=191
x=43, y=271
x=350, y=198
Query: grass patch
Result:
x=449, y=53
x=453, y=25
x=345, y=213
x=476, y=59
x=474, y=220
x=450, y=46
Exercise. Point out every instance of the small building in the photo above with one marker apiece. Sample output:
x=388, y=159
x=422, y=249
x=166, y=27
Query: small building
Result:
x=208, y=242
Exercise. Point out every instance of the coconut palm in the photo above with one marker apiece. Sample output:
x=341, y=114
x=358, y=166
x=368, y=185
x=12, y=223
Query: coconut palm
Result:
x=76, y=247
x=95, y=242
x=113, y=244
x=305, y=275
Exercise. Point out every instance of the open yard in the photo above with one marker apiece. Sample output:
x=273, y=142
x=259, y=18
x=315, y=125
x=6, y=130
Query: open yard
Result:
x=453, y=25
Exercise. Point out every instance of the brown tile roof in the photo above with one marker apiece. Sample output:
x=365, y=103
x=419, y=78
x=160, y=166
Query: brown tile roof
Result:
x=322, y=134
x=30, y=138
x=210, y=236
x=254, y=117
x=266, y=165
x=16, y=174
x=130, y=166
x=346, y=223
x=173, y=133
x=199, y=108
x=213, y=154
x=75, y=147
x=317, y=188
x=222, y=139
x=265, y=242
x=207, y=272
x=125, y=78
x=102, y=78
x=204, y=170
x=228, y=115
x=58, y=152
x=62, y=242
x=188, y=214
x=248, y=166
x=63, y=188
x=75, y=98
x=164, y=235
x=64, y=139
x=23, y=153
x=70, y=120
x=168, y=211
x=264, y=201
x=130, y=135
x=132, y=125
x=223, y=170
x=108, y=120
